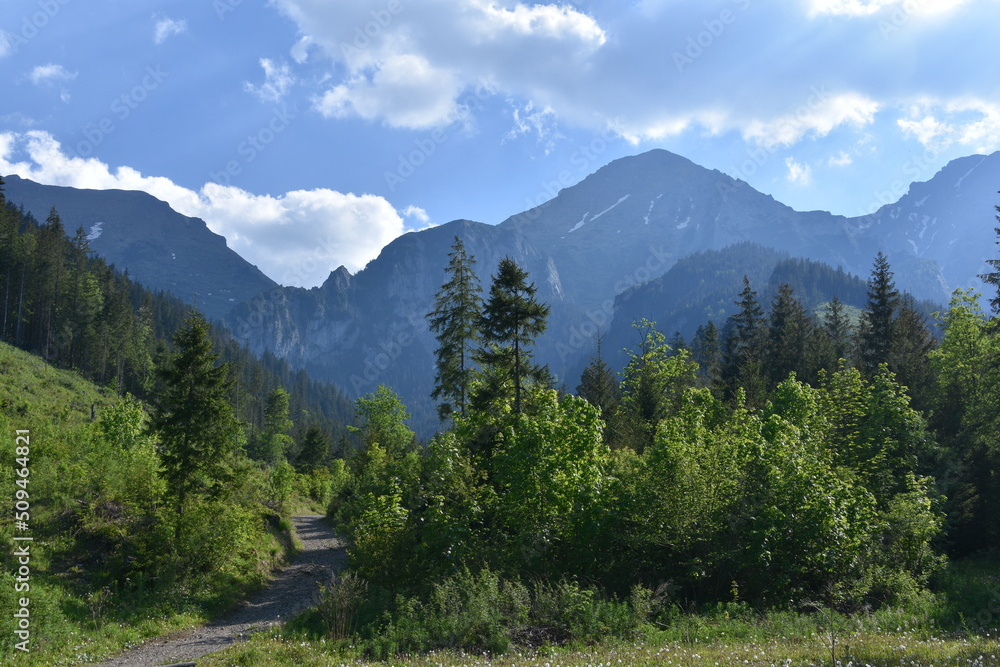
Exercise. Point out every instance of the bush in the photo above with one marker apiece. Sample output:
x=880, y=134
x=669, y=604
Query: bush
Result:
x=473, y=612
x=338, y=604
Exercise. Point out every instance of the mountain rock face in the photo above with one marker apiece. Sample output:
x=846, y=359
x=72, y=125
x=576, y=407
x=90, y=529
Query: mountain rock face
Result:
x=159, y=247
x=590, y=246
x=600, y=253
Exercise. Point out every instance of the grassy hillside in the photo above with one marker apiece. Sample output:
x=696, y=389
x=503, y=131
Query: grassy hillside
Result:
x=36, y=396
x=103, y=572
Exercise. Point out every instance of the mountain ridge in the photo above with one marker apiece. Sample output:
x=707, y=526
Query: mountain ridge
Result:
x=621, y=227
x=159, y=247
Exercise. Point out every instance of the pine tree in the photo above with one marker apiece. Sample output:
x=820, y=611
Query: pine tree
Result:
x=274, y=439
x=599, y=386
x=193, y=417
x=707, y=352
x=993, y=277
x=875, y=335
x=909, y=357
x=741, y=356
x=512, y=319
x=786, y=348
x=314, y=450
x=455, y=320
x=838, y=328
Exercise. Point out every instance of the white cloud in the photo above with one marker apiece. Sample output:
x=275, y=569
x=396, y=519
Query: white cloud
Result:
x=819, y=114
x=278, y=80
x=405, y=91
x=166, y=28
x=407, y=66
x=870, y=7
x=841, y=159
x=50, y=73
x=972, y=123
x=531, y=120
x=296, y=238
x=419, y=216
x=798, y=174
x=300, y=51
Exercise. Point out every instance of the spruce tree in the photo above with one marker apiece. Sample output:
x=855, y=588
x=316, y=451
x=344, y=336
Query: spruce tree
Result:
x=909, y=357
x=599, y=386
x=707, y=352
x=838, y=328
x=512, y=319
x=455, y=320
x=314, y=450
x=274, y=437
x=741, y=355
x=193, y=417
x=875, y=335
x=788, y=335
x=993, y=277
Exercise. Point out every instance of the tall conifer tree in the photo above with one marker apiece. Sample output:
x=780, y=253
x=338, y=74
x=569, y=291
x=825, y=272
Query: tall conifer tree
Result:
x=193, y=416
x=512, y=319
x=788, y=336
x=993, y=277
x=455, y=320
x=741, y=354
x=875, y=335
x=598, y=384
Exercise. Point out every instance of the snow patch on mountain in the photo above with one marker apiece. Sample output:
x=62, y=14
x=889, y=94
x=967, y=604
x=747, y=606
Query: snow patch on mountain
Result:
x=95, y=231
x=580, y=224
x=610, y=207
x=650, y=211
x=958, y=183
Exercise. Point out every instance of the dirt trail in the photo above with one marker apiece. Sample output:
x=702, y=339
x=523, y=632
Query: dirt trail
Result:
x=291, y=591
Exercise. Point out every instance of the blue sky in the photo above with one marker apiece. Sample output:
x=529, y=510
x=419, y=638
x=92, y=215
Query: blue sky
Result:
x=322, y=130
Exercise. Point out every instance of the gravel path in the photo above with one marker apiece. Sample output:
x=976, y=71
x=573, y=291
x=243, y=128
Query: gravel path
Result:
x=291, y=591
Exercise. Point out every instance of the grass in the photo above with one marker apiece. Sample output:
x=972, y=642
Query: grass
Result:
x=955, y=625
x=78, y=615
x=861, y=649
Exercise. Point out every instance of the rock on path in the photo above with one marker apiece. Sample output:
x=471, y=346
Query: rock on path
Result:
x=291, y=591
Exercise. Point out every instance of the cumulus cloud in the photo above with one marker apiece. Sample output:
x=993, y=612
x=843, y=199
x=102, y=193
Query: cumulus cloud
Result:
x=819, y=114
x=798, y=174
x=971, y=122
x=166, y=28
x=870, y=7
x=407, y=66
x=50, y=73
x=296, y=238
x=278, y=80
x=418, y=214
x=554, y=64
x=404, y=90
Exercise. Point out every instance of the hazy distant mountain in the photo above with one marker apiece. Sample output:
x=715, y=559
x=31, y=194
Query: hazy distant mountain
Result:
x=601, y=254
x=159, y=247
x=586, y=249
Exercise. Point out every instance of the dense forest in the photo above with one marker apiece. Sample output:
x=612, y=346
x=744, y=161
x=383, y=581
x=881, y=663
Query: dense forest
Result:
x=795, y=454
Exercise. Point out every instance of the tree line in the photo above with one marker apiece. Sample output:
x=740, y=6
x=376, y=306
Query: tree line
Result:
x=782, y=457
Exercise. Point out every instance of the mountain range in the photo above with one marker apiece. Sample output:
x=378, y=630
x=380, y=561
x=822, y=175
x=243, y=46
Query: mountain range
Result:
x=634, y=239
x=158, y=246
